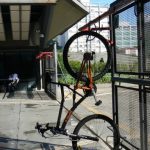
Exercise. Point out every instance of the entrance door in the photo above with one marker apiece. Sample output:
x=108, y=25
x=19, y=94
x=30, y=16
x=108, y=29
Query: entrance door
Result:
x=22, y=63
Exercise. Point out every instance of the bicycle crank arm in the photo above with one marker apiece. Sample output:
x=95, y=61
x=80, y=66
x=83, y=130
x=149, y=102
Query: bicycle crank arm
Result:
x=42, y=128
x=78, y=137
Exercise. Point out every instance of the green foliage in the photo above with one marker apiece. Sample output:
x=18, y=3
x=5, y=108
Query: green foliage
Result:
x=66, y=79
x=97, y=67
x=70, y=80
x=122, y=67
x=61, y=67
x=75, y=64
x=105, y=79
x=128, y=67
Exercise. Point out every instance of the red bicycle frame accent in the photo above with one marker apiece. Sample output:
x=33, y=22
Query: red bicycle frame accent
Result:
x=42, y=55
x=85, y=63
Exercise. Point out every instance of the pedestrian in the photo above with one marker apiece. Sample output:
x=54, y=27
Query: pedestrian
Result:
x=13, y=81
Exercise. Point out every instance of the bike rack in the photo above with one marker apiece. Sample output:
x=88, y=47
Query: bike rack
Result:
x=116, y=7
x=111, y=10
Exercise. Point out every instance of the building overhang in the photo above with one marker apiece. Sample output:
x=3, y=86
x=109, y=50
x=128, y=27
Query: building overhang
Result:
x=32, y=22
x=28, y=1
x=65, y=15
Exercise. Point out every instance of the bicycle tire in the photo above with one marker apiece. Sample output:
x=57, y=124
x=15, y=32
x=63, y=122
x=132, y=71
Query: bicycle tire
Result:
x=100, y=40
x=84, y=126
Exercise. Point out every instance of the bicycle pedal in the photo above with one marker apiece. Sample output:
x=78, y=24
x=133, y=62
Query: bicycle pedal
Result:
x=98, y=103
x=47, y=125
x=37, y=126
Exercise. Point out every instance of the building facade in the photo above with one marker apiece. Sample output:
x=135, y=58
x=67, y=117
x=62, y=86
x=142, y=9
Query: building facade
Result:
x=126, y=39
x=94, y=11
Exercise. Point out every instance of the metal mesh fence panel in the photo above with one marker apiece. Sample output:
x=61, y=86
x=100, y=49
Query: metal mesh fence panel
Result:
x=129, y=118
x=147, y=36
x=147, y=125
x=126, y=41
x=132, y=57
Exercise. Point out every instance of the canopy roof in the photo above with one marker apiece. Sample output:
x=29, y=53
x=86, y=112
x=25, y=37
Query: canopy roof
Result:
x=30, y=21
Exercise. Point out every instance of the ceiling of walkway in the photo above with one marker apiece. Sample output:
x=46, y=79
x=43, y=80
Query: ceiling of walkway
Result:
x=29, y=21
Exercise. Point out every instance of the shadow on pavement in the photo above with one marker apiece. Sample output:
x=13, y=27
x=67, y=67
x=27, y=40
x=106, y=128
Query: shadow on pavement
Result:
x=16, y=144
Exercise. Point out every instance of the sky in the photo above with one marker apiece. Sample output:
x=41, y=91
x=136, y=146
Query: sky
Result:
x=102, y=1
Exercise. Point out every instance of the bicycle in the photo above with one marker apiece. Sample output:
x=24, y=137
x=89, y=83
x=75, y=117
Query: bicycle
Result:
x=84, y=74
x=89, y=132
x=92, y=67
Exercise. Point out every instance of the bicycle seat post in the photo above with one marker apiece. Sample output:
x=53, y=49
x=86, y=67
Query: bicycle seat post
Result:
x=87, y=56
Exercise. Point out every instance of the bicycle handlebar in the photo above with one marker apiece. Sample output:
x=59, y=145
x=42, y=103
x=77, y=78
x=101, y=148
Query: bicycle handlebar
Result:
x=42, y=130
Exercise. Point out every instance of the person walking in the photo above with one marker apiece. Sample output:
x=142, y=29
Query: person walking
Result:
x=11, y=85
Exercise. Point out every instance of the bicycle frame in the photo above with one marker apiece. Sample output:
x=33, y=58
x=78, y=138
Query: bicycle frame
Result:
x=62, y=130
x=86, y=63
x=70, y=112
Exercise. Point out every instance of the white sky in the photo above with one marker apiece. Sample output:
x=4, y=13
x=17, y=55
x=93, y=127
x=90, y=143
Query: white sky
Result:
x=102, y=1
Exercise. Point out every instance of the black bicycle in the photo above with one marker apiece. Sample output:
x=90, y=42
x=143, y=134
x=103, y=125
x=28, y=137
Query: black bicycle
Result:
x=94, y=132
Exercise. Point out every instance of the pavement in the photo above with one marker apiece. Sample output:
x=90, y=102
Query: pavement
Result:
x=20, y=113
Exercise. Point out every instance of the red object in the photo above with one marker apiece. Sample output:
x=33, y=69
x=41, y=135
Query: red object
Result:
x=110, y=42
x=42, y=55
x=86, y=29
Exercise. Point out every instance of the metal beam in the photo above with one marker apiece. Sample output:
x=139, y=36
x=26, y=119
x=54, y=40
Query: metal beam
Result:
x=2, y=32
x=111, y=10
x=145, y=82
x=27, y=1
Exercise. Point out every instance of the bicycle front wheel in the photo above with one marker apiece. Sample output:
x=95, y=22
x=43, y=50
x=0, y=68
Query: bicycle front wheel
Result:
x=78, y=45
x=99, y=127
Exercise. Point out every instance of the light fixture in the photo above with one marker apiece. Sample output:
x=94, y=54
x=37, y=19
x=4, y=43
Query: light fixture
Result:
x=25, y=21
x=20, y=21
x=15, y=21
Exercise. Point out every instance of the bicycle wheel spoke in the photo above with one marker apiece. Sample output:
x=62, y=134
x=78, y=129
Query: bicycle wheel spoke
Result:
x=99, y=128
x=78, y=45
x=75, y=54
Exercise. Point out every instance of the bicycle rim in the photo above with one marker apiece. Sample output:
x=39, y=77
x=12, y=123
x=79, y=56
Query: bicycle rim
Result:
x=87, y=41
x=99, y=126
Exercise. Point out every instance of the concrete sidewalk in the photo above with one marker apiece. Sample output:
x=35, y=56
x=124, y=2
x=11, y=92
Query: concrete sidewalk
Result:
x=17, y=125
x=18, y=118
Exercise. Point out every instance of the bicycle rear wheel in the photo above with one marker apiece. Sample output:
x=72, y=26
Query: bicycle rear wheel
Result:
x=78, y=45
x=100, y=127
